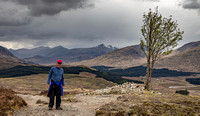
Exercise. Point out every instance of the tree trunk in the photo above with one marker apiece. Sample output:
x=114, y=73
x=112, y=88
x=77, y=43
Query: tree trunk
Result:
x=147, y=83
x=150, y=74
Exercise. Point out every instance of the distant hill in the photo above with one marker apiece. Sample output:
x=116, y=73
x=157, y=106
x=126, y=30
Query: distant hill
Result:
x=188, y=46
x=46, y=55
x=24, y=53
x=8, y=60
x=41, y=59
x=188, y=60
x=124, y=57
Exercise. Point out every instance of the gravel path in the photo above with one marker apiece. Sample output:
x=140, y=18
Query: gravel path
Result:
x=86, y=105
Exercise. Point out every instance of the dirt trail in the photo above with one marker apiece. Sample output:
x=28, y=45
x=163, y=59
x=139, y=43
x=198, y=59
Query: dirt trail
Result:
x=85, y=106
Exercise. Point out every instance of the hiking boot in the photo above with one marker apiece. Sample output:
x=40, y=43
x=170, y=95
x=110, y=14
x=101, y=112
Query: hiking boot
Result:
x=50, y=108
x=59, y=108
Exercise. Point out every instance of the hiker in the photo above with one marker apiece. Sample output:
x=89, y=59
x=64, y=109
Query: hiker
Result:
x=56, y=75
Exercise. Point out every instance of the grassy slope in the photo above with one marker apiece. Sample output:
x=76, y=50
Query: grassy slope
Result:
x=37, y=82
x=152, y=104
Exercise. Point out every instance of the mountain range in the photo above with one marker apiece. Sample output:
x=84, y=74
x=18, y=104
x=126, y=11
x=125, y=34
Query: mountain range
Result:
x=46, y=55
x=185, y=58
x=124, y=57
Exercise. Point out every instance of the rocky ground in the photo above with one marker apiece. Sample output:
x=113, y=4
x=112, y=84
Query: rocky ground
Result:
x=128, y=99
x=84, y=104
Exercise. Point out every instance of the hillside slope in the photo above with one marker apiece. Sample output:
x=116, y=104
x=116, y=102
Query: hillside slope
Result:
x=185, y=61
x=8, y=60
x=188, y=46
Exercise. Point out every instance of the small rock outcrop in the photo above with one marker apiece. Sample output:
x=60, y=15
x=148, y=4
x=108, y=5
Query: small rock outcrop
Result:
x=124, y=88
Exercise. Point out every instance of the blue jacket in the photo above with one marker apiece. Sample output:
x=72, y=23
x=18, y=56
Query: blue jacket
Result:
x=56, y=75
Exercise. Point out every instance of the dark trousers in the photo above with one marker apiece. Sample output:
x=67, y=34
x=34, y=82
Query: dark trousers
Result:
x=58, y=101
x=54, y=91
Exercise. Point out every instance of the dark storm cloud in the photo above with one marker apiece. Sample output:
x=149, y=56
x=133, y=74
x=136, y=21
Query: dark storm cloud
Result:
x=52, y=7
x=191, y=4
x=14, y=15
x=14, y=21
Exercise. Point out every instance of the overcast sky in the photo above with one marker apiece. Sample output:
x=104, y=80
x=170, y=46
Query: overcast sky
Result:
x=87, y=23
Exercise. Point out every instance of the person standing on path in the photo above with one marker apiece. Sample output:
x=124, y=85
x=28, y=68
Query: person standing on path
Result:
x=56, y=75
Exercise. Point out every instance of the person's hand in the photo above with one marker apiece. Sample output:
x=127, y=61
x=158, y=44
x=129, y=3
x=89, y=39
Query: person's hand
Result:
x=63, y=87
x=48, y=85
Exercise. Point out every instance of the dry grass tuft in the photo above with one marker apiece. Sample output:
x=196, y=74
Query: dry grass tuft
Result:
x=9, y=102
